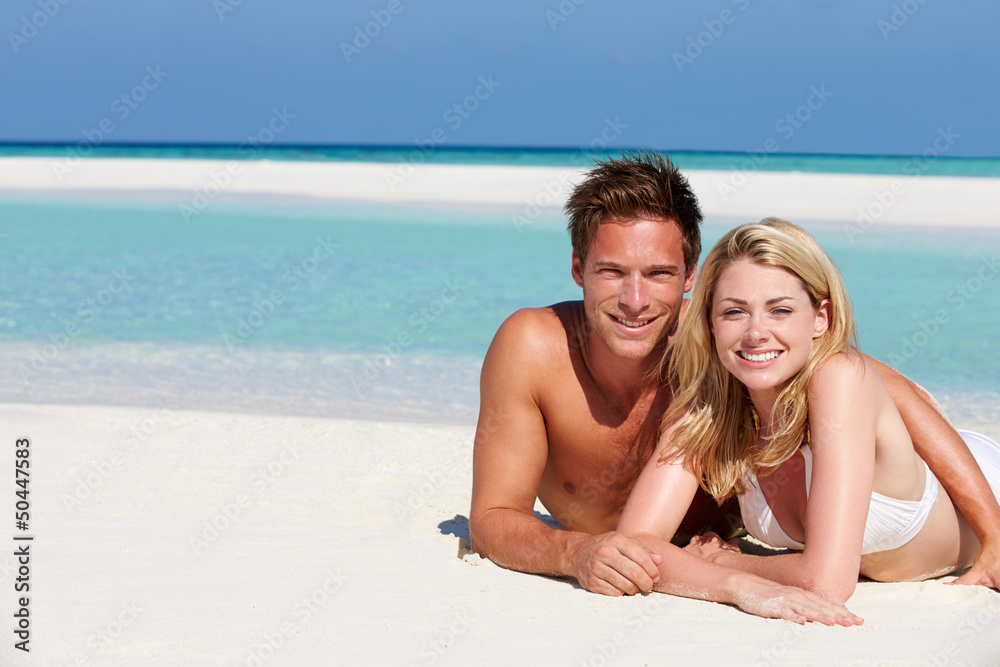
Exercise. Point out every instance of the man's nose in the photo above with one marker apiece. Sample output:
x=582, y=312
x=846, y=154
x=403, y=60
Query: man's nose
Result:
x=634, y=296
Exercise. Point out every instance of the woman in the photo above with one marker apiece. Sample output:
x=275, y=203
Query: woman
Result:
x=774, y=404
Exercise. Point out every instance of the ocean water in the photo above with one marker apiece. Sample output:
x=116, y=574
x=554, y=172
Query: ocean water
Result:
x=387, y=312
x=930, y=163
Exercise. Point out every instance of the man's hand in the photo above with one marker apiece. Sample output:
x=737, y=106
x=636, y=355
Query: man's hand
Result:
x=985, y=568
x=613, y=564
x=709, y=546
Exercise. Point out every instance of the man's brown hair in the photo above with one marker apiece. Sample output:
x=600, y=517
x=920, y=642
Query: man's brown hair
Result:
x=637, y=185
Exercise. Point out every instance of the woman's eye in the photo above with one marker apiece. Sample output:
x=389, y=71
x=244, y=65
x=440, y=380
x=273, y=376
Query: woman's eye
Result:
x=732, y=312
x=782, y=311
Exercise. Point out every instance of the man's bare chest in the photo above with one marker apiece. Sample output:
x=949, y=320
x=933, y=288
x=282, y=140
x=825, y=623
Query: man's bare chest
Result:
x=595, y=459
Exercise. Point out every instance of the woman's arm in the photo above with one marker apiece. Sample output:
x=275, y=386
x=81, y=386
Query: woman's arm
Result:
x=948, y=457
x=843, y=408
x=655, y=508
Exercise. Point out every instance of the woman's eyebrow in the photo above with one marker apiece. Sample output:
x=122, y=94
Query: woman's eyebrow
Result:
x=769, y=302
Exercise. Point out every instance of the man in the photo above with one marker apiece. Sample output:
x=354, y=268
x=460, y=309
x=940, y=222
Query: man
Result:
x=571, y=398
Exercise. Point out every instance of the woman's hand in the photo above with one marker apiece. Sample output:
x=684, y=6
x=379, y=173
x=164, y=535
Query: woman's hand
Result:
x=710, y=546
x=770, y=600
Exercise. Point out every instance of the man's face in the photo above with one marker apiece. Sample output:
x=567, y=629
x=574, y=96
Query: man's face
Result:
x=633, y=284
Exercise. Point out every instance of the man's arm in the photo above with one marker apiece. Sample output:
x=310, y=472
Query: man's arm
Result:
x=949, y=459
x=509, y=458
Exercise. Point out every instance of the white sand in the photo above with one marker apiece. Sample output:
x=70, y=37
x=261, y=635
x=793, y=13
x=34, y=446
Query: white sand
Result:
x=191, y=538
x=892, y=200
x=341, y=547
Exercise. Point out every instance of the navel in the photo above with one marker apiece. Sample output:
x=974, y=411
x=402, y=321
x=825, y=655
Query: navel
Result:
x=569, y=486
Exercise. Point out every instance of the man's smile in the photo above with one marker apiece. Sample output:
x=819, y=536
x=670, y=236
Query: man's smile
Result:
x=633, y=324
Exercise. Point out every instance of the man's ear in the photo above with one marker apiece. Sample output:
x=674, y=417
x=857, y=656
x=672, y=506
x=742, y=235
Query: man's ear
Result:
x=577, y=269
x=689, y=281
x=822, y=318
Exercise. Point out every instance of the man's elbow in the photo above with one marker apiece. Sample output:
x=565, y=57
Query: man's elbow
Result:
x=484, y=531
x=477, y=543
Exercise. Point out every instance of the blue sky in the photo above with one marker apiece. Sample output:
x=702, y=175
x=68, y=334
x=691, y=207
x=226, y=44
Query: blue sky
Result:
x=853, y=77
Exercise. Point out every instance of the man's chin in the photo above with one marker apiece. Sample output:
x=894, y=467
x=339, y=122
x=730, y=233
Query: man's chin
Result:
x=633, y=349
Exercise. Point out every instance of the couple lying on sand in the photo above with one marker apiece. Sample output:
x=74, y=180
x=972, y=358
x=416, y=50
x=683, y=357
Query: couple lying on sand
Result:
x=636, y=416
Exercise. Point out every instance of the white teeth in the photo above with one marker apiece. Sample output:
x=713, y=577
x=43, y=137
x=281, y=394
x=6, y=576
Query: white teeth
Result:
x=631, y=324
x=767, y=356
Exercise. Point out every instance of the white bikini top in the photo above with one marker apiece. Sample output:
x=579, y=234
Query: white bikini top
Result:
x=891, y=523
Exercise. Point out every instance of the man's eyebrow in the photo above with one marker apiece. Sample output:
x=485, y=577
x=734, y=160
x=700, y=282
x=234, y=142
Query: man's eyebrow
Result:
x=654, y=267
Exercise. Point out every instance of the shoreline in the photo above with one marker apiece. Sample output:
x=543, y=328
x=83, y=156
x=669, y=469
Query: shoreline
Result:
x=265, y=504
x=419, y=390
x=859, y=199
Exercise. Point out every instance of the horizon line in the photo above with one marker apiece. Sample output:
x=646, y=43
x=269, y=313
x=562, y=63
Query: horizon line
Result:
x=469, y=148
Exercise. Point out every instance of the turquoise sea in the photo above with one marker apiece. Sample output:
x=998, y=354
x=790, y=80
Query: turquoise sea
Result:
x=386, y=312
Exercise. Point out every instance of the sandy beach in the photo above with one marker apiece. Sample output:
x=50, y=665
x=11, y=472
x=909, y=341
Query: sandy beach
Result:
x=859, y=199
x=171, y=535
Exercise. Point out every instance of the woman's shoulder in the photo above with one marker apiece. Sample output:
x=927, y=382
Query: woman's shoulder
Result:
x=843, y=369
x=846, y=400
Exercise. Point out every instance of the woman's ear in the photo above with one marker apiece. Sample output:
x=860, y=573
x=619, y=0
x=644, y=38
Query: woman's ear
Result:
x=822, y=318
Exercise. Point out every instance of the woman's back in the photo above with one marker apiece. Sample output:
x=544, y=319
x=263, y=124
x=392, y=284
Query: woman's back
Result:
x=906, y=505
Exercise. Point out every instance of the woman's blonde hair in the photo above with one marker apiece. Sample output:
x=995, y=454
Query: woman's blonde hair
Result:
x=717, y=426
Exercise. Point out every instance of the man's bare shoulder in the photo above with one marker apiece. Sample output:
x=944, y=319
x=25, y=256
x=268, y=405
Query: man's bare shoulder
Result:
x=541, y=332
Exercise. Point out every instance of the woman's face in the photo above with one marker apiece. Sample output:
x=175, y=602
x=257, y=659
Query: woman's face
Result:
x=763, y=323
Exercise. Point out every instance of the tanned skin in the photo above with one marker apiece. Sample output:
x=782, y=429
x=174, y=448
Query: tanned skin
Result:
x=570, y=410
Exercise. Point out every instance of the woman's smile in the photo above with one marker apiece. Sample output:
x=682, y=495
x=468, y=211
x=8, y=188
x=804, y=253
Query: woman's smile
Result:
x=764, y=323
